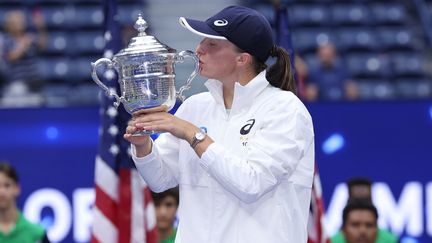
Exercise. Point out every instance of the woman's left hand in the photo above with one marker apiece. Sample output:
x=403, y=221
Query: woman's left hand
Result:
x=158, y=119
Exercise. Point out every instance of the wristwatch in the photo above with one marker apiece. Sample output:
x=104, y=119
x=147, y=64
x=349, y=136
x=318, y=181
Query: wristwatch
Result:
x=198, y=137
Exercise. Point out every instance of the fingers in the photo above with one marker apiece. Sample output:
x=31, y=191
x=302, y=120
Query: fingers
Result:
x=162, y=108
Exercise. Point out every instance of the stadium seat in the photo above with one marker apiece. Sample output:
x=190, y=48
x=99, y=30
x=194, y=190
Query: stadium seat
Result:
x=388, y=13
x=350, y=14
x=55, y=16
x=85, y=94
x=58, y=43
x=87, y=42
x=406, y=64
x=356, y=39
x=56, y=94
x=368, y=65
x=128, y=13
x=307, y=39
x=376, y=89
x=309, y=15
x=87, y=17
x=56, y=69
x=395, y=38
x=82, y=69
x=414, y=88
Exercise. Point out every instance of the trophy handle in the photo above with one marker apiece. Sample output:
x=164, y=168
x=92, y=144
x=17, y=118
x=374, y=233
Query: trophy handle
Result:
x=95, y=77
x=179, y=58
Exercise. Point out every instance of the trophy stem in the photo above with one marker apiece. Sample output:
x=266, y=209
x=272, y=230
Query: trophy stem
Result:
x=144, y=133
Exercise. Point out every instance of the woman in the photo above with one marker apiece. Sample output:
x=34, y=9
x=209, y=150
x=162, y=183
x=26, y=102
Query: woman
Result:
x=242, y=153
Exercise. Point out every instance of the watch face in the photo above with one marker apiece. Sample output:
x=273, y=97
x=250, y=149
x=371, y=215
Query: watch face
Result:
x=200, y=136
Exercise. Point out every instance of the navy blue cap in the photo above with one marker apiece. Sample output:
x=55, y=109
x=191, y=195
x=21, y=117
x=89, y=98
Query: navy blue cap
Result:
x=246, y=28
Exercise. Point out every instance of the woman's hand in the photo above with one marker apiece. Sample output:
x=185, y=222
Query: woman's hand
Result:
x=158, y=119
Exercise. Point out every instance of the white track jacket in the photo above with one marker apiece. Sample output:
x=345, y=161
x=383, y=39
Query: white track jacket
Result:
x=253, y=184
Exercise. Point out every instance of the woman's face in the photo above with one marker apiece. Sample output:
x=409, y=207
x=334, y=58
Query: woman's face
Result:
x=218, y=59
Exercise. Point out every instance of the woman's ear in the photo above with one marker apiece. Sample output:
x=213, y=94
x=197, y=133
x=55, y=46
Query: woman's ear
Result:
x=244, y=59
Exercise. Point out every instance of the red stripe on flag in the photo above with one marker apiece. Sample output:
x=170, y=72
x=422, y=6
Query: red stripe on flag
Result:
x=125, y=206
x=106, y=205
x=151, y=234
x=316, y=229
x=93, y=239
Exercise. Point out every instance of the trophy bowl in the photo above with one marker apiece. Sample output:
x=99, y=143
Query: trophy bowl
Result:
x=145, y=71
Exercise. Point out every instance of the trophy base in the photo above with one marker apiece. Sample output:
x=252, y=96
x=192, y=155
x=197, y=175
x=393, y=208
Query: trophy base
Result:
x=144, y=133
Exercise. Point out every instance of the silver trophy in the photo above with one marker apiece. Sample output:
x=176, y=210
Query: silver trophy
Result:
x=145, y=72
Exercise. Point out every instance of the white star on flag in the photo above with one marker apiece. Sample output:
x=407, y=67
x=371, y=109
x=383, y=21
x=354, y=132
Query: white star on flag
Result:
x=113, y=130
x=114, y=149
x=112, y=112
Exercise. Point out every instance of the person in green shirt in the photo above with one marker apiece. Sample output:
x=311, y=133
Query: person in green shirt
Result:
x=14, y=228
x=360, y=188
x=166, y=208
x=360, y=224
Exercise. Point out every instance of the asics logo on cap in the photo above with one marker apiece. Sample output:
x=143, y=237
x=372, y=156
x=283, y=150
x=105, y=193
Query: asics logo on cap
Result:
x=220, y=22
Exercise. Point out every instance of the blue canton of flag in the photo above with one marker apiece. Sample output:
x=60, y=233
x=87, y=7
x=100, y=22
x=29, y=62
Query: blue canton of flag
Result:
x=283, y=34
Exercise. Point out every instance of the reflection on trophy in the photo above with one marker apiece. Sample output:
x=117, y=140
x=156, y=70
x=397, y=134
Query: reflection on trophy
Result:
x=145, y=73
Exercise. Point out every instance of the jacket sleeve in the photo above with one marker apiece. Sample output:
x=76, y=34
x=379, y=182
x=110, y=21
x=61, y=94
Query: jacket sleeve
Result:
x=160, y=168
x=274, y=153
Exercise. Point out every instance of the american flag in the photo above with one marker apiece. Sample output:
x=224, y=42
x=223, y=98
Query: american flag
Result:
x=124, y=211
x=283, y=39
x=316, y=231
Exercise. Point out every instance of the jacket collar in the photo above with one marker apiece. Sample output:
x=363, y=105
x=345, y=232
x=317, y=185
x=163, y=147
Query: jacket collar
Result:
x=243, y=95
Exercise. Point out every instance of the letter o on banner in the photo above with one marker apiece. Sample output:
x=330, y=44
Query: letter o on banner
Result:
x=58, y=202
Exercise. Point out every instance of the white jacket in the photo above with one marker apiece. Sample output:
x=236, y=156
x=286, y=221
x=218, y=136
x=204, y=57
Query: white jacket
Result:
x=253, y=184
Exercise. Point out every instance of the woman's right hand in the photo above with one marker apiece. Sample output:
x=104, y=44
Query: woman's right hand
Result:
x=142, y=143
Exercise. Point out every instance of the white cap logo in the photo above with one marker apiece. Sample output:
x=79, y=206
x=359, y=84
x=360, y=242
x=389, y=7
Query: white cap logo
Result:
x=220, y=22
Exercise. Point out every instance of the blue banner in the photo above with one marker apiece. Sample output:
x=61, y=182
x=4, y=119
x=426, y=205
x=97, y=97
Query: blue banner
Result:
x=390, y=142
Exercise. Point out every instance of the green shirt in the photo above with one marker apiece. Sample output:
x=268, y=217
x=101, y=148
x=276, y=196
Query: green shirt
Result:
x=23, y=232
x=383, y=236
x=171, y=238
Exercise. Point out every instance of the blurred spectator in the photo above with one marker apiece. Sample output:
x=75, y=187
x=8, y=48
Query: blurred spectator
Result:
x=359, y=222
x=166, y=208
x=301, y=69
x=20, y=53
x=14, y=227
x=360, y=188
x=329, y=80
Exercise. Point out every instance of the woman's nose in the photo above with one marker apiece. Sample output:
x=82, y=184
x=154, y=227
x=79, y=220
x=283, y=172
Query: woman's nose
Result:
x=199, y=50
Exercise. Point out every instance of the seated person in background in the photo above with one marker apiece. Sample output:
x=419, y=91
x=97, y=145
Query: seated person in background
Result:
x=14, y=228
x=329, y=80
x=359, y=225
x=360, y=188
x=166, y=208
x=21, y=48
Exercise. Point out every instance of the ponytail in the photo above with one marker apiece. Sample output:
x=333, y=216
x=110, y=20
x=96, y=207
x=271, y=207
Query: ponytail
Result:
x=280, y=74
